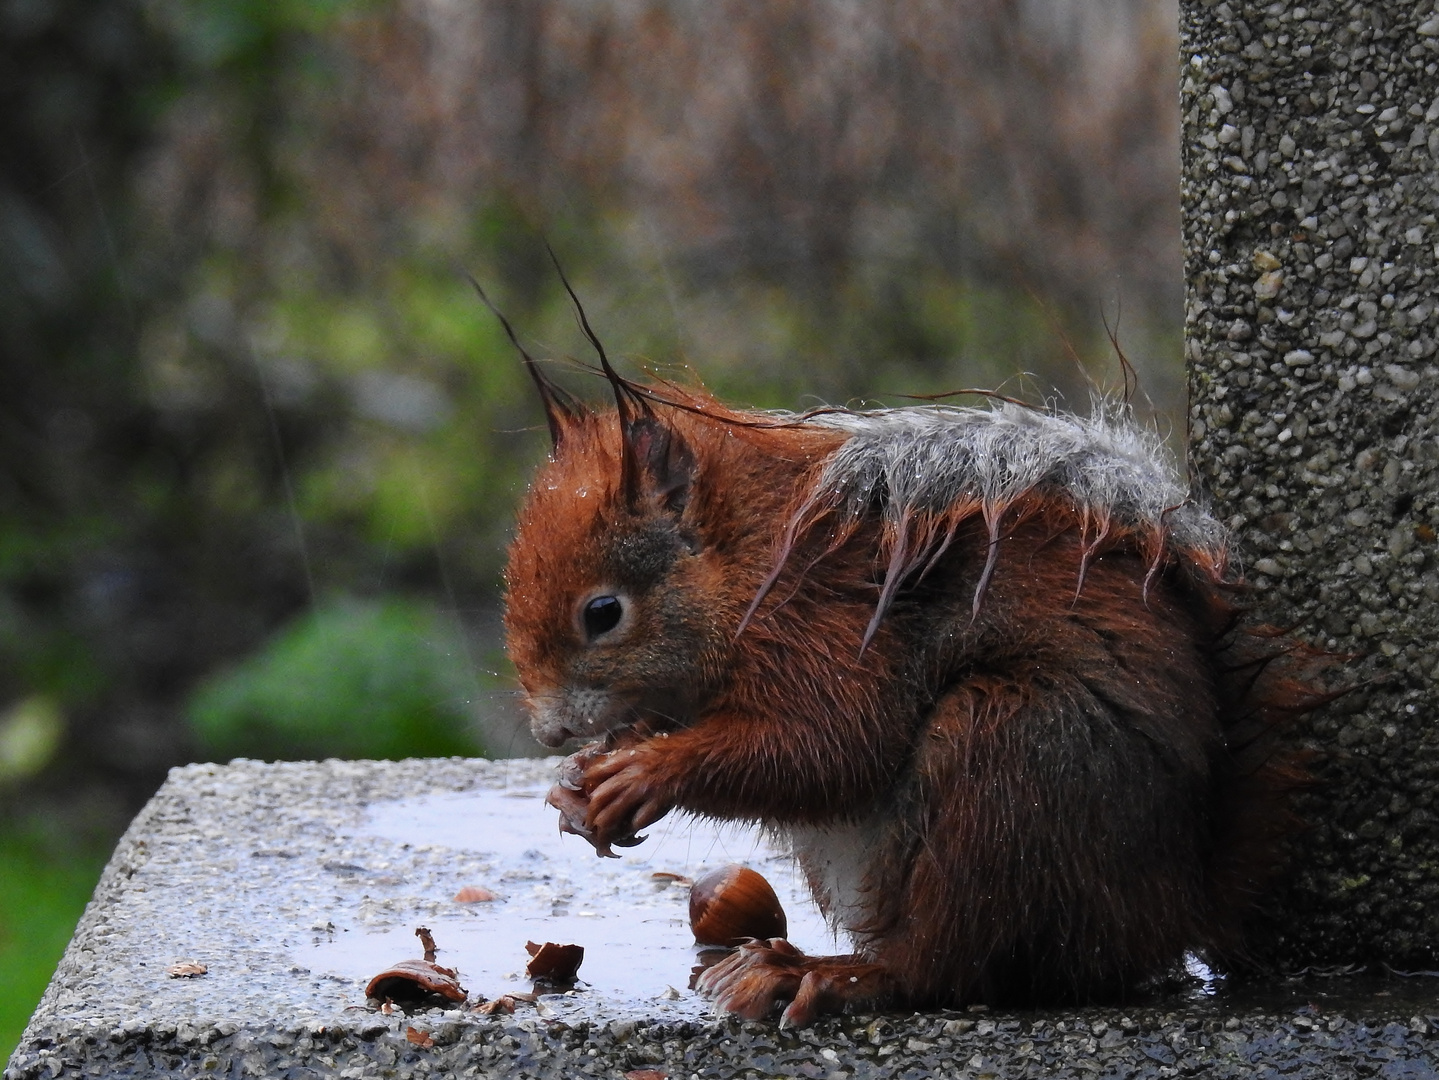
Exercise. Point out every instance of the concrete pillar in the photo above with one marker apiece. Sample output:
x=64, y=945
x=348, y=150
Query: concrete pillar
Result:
x=1310, y=192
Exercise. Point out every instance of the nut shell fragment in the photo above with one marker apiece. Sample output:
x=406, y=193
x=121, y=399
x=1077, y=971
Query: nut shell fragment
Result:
x=733, y=904
x=552, y=962
x=505, y=1003
x=474, y=894
x=413, y=980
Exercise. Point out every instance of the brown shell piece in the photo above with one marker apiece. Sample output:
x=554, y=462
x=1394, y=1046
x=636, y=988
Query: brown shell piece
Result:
x=413, y=980
x=730, y=905
x=474, y=894
x=553, y=963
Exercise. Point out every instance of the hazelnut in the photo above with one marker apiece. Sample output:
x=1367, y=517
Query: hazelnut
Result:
x=733, y=904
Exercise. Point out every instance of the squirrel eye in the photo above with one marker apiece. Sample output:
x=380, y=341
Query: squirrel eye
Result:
x=602, y=614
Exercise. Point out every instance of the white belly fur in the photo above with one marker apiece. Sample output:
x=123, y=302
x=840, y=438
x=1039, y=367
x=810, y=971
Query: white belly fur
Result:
x=837, y=860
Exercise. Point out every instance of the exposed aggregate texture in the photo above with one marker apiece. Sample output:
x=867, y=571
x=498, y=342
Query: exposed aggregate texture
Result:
x=242, y=866
x=1310, y=192
x=938, y=1047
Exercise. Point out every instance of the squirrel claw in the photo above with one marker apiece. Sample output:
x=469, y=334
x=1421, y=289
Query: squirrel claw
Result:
x=573, y=806
x=602, y=849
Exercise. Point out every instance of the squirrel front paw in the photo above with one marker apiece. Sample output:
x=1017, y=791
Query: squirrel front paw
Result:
x=608, y=794
x=760, y=976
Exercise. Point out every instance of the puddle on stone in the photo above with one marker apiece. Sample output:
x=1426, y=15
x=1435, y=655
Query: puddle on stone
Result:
x=413, y=855
x=634, y=927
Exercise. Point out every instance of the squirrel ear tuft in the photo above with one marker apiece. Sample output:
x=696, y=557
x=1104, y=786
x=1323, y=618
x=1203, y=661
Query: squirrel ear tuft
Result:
x=561, y=410
x=665, y=462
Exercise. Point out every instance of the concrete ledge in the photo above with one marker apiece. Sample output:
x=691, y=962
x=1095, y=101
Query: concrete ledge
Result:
x=291, y=883
x=1310, y=226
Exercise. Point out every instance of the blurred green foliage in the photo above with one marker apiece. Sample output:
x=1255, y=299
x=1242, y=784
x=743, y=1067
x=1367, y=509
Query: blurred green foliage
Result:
x=42, y=893
x=241, y=33
x=31, y=731
x=376, y=680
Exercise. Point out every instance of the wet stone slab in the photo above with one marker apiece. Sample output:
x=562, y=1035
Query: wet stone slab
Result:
x=292, y=884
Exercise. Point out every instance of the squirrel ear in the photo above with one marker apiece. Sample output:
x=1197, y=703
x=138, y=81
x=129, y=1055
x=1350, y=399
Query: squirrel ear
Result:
x=654, y=460
x=666, y=464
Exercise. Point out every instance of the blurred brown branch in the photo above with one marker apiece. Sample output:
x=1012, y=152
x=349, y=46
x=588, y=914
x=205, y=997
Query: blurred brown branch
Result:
x=795, y=140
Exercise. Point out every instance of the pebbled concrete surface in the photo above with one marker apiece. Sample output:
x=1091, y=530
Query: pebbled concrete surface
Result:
x=1311, y=188
x=293, y=882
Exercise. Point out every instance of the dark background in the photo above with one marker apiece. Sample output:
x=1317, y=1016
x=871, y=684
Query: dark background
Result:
x=259, y=443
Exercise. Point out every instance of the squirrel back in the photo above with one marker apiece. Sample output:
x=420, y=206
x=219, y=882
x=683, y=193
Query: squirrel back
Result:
x=979, y=665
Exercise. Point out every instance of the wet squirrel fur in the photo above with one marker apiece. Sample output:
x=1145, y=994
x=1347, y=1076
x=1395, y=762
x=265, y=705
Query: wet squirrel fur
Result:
x=980, y=668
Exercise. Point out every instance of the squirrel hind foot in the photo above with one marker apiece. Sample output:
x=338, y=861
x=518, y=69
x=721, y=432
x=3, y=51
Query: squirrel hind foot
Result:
x=761, y=976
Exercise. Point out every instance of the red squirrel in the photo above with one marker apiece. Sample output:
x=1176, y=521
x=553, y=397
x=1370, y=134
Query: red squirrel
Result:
x=977, y=667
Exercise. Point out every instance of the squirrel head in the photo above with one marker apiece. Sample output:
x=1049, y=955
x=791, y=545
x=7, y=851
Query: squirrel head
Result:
x=610, y=593
x=634, y=564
